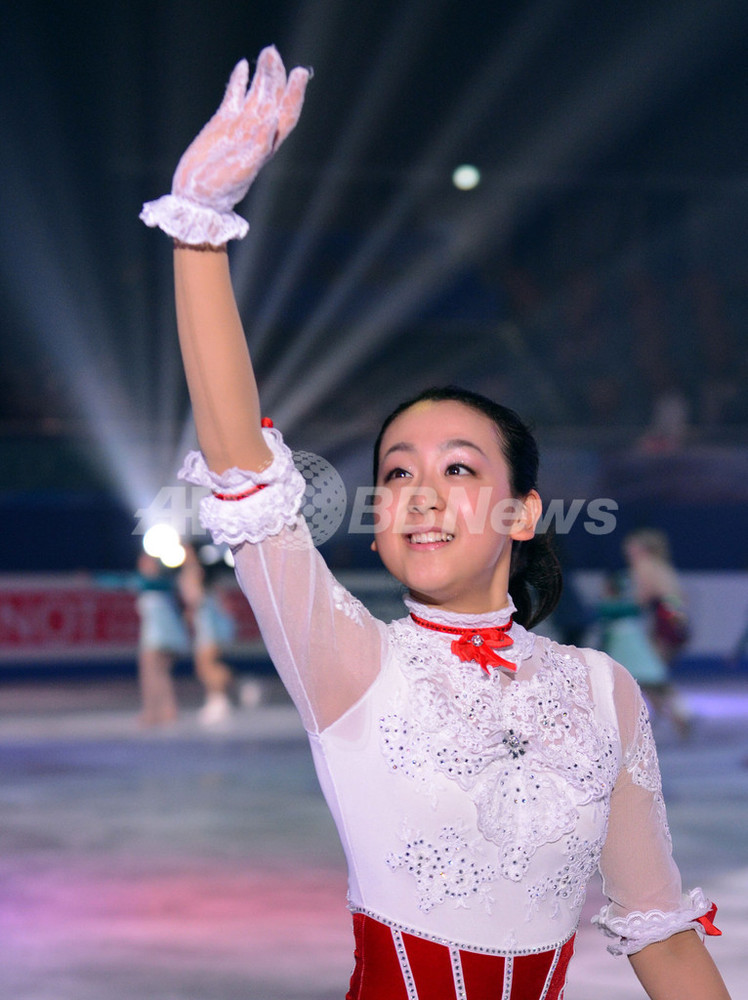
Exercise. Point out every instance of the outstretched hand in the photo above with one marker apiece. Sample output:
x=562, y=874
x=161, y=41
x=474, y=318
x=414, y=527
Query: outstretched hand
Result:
x=219, y=166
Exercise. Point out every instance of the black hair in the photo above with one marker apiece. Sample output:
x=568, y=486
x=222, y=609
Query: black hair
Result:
x=535, y=580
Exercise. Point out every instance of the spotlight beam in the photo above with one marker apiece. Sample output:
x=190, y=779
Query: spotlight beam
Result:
x=63, y=309
x=406, y=32
x=312, y=34
x=478, y=99
x=647, y=65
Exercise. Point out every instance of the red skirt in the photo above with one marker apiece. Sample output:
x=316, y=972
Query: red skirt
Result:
x=392, y=964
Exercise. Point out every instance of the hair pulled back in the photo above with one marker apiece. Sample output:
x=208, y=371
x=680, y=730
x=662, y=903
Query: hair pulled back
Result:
x=535, y=573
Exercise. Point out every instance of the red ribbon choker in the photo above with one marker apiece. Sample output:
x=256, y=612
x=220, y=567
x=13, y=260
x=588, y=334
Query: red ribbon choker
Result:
x=476, y=645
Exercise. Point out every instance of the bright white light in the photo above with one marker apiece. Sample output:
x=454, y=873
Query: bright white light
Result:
x=160, y=538
x=162, y=542
x=466, y=177
x=173, y=557
x=228, y=558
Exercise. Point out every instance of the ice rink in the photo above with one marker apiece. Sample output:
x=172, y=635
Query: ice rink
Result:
x=187, y=865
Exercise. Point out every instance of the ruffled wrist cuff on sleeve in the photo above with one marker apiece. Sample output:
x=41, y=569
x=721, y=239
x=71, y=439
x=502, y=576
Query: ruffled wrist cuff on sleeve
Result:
x=636, y=930
x=192, y=223
x=273, y=504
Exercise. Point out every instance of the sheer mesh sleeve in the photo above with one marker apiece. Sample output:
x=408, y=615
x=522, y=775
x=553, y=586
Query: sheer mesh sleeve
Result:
x=640, y=877
x=325, y=645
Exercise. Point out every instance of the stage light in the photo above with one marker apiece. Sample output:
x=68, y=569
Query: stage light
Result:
x=575, y=131
x=408, y=33
x=120, y=367
x=307, y=364
x=174, y=557
x=466, y=177
x=160, y=538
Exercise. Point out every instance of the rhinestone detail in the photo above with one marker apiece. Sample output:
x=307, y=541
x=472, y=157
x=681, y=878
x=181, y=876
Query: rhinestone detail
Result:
x=478, y=949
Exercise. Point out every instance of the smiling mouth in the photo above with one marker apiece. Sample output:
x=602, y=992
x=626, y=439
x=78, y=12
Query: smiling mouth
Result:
x=429, y=537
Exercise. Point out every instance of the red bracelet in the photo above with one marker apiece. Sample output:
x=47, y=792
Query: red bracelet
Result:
x=265, y=422
x=240, y=496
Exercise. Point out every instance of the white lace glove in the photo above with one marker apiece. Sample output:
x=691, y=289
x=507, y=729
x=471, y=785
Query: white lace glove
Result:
x=219, y=166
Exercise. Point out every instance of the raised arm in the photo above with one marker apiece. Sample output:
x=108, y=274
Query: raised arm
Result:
x=224, y=396
x=213, y=175
x=325, y=645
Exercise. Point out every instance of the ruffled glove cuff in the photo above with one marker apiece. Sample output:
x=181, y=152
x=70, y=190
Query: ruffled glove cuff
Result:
x=265, y=512
x=637, y=930
x=192, y=223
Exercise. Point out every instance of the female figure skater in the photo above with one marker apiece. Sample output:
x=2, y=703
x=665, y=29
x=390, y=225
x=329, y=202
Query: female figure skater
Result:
x=625, y=638
x=657, y=589
x=478, y=774
x=163, y=637
x=645, y=623
x=212, y=628
x=659, y=594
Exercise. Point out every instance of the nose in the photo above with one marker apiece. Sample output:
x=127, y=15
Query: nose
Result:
x=424, y=498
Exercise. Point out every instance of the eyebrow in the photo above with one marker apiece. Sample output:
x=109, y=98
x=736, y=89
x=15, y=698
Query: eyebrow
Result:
x=444, y=446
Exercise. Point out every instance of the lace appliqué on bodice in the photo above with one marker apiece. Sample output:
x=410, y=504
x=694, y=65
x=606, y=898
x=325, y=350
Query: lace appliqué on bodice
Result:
x=446, y=870
x=529, y=752
x=571, y=880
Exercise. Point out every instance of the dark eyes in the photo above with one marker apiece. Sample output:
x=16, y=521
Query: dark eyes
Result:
x=454, y=469
x=396, y=473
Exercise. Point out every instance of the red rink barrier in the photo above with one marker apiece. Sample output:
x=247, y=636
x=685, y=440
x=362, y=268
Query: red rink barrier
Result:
x=68, y=617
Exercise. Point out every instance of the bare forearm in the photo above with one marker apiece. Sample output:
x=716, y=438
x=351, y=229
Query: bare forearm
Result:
x=219, y=372
x=679, y=968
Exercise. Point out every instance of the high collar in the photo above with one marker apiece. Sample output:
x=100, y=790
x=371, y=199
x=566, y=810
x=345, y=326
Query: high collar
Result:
x=457, y=619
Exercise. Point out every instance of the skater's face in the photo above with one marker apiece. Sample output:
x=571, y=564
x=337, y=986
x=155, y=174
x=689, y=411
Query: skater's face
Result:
x=445, y=516
x=148, y=565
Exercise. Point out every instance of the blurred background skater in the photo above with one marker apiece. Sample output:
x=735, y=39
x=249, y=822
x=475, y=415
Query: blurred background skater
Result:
x=658, y=589
x=624, y=635
x=163, y=637
x=212, y=629
x=652, y=638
